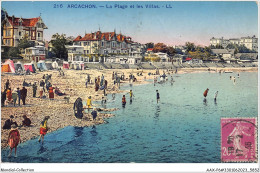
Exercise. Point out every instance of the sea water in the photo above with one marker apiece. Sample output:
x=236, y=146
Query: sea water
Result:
x=181, y=128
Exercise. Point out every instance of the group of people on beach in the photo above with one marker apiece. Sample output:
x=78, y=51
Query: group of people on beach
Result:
x=14, y=137
x=13, y=96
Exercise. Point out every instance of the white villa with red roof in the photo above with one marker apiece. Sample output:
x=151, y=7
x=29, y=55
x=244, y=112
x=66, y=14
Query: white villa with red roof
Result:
x=104, y=43
x=15, y=29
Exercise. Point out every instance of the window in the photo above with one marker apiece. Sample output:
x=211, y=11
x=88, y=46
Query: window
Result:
x=39, y=34
x=85, y=43
x=8, y=42
x=102, y=44
x=8, y=33
x=87, y=51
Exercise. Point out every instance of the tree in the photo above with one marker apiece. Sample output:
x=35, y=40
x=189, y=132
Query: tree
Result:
x=25, y=43
x=13, y=52
x=170, y=51
x=58, y=42
x=208, y=51
x=189, y=47
x=160, y=47
x=231, y=46
x=149, y=45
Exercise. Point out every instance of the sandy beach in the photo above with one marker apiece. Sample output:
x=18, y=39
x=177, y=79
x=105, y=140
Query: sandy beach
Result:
x=73, y=84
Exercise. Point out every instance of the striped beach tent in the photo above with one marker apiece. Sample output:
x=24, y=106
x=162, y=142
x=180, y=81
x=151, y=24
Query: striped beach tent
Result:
x=48, y=65
x=41, y=65
x=8, y=66
x=18, y=66
x=29, y=66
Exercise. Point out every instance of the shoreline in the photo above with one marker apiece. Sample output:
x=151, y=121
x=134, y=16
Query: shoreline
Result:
x=73, y=84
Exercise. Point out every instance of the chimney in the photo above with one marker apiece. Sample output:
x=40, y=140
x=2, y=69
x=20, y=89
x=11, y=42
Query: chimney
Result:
x=12, y=18
x=109, y=36
x=95, y=36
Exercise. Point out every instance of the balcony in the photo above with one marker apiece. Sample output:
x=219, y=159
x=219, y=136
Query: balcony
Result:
x=39, y=38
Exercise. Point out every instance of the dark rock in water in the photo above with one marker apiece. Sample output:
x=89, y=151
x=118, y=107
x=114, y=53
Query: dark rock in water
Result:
x=98, y=109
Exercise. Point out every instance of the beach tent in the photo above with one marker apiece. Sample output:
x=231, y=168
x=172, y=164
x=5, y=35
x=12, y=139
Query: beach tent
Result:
x=18, y=66
x=8, y=66
x=5, y=68
x=29, y=66
x=48, y=65
x=55, y=65
x=41, y=65
x=65, y=65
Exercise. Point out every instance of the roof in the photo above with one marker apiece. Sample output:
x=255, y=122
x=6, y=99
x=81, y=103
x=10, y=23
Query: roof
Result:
x=150, y=49
x=31, y=22
x=108, y=36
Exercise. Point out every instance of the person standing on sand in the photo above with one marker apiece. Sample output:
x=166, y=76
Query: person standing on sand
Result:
x=14, y=97
x=157, y=96
x=7, y=84
x=102, y=80
x=9, y=94
x=41, y=91
x=96, y=86
x=105, y=84
x=86, y=83
x=43, y=128
x=205, y=93
x=98, y=80
x=42, y=85
x=113, y=75
x=13, y=139
x=3, y=98
x=51, y=93
x=23, y=94
x=19, y=95
x=34, y=89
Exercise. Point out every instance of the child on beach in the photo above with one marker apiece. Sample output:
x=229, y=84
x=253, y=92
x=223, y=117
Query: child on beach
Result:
x=43, y=128
x=131, y=95
x=157, y=96
x=89, y=103
x=216, y=94
x=94, y=114
x=123, y=101
x=13, y=139
x=205, y=93
x=26, y=121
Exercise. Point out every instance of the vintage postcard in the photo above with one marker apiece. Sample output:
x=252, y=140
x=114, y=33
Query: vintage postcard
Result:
x=129, y=82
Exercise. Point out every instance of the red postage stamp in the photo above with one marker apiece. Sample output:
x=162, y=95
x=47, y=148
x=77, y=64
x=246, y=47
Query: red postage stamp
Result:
x=238, y=139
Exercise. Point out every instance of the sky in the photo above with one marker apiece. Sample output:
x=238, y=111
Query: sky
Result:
x=193, y=21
